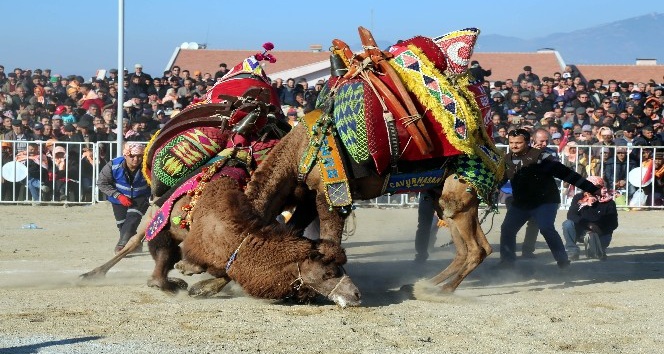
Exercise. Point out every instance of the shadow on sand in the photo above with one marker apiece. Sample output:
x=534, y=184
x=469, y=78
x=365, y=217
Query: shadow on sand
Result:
x=391, y=282
x=36, y=348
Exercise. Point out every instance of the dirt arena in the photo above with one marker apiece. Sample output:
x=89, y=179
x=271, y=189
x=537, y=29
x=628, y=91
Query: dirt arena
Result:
x=593, y=307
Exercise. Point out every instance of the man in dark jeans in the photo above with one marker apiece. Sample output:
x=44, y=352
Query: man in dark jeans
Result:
x=532, y=172
x=127, y=189
x=426, y=227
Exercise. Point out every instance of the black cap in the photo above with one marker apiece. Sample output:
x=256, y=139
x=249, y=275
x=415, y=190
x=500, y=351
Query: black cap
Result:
x=69, y=128
x=16, y=123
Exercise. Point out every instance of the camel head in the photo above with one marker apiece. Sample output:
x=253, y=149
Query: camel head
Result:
x=323, y=273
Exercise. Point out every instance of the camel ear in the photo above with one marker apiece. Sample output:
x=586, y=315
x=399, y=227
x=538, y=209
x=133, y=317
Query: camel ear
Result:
x=331, y=252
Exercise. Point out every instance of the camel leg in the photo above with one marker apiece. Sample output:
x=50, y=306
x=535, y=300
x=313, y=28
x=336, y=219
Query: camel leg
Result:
x=165, y=252
x=131, y=245
x=459, y=257
x=460, y=211
x=476, y=253
x=481, y=240
x=460, y=247
x=331, y=221
x=209, y=287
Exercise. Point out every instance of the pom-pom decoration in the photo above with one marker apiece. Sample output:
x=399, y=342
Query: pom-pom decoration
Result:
x=268, y=46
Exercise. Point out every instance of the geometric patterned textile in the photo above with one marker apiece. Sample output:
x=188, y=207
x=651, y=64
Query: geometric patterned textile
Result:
x=451, y=103
x=458, y=48
x=324, y=151
x=350, y=121
x=478, y=175
x=185, y=153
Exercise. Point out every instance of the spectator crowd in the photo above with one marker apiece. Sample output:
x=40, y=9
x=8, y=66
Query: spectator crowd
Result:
x=574, y=112
x=603, y=129
x=70, y=112
x=39, y=105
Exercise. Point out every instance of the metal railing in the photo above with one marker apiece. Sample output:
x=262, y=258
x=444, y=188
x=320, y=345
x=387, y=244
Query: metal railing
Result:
x=52, y=173
x=31, y=173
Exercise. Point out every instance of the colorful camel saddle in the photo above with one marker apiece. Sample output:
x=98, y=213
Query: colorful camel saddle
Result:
x=243, y=104
x=452, y=107
x=230, y=162
x=455, y=110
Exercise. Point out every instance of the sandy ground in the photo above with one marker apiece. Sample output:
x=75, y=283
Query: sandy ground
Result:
x=594, y=307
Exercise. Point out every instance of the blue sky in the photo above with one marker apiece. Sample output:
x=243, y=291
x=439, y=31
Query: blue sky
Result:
x=79, y=37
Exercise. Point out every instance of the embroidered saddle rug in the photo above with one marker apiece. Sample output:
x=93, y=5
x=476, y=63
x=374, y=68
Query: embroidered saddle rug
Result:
x=455, y=110
x=246, y=160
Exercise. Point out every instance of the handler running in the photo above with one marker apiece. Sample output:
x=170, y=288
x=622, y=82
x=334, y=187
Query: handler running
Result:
x=532, y=171
x=123, y=182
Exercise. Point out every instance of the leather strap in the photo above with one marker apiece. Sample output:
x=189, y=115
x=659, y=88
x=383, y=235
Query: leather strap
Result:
x=383, y=94
x=379, y=58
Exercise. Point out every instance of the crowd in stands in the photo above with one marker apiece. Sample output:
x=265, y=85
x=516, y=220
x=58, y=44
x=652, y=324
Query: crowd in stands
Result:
x=42, y=106
x=593, y=124
x=573, y=109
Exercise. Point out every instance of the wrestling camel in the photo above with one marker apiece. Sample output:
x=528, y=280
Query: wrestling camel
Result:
x=220, y=141
x=227, y=240
x=275, y=181
x=405, y=120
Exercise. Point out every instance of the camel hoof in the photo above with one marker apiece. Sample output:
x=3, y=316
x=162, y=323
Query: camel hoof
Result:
x=188, y=268
x=447, y=288
x=207, y=288
x=171, y=285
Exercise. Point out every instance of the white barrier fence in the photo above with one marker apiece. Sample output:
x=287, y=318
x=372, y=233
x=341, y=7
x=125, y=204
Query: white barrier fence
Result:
x=40, y=172
x=66, y=173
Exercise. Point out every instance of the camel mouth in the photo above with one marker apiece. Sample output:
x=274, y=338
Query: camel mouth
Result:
x=345, y=293
x=346, y=301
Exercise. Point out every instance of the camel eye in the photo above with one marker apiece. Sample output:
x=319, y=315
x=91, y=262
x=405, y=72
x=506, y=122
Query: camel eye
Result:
x=331, y=273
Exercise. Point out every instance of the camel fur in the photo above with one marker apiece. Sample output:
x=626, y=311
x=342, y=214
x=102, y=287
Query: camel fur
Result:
x=269, y=259
x=273, y=262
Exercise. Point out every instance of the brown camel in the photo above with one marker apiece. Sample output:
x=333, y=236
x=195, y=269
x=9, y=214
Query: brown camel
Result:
x=276, y=180
x=267, y=261
x=385, y=115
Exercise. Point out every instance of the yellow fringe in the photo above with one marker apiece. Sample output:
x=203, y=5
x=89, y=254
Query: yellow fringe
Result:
x=144, y=167
x=467, y=109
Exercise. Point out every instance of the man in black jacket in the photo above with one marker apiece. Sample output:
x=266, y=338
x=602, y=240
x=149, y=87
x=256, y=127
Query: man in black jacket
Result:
x=478, y=72
x=532, y=172
x=597, y=216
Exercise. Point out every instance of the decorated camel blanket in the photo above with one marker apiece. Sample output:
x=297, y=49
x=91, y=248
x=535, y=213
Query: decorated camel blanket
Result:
x=214, y=168
x=455, y=110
